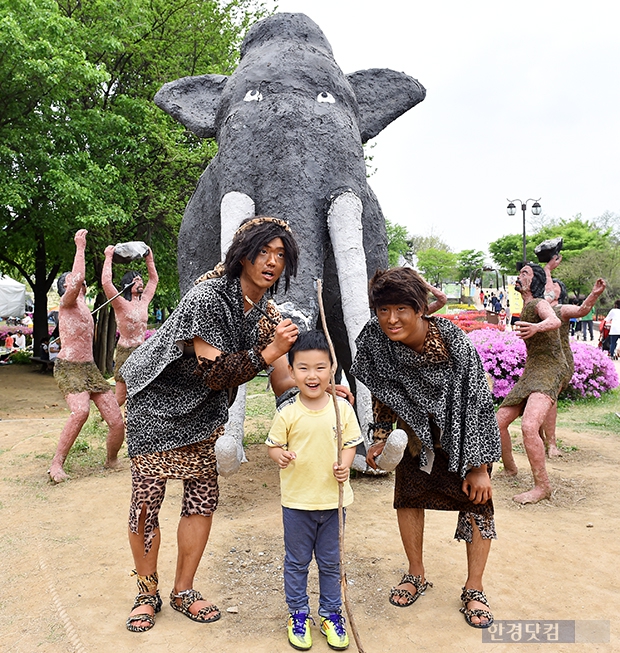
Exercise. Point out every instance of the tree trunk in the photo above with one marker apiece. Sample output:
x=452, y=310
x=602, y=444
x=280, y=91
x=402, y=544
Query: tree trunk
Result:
x=111, y=342
x=42, y=283
x=105, y=336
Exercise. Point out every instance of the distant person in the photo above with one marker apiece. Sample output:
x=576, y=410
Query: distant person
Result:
x=158, y=316
x=302, y=442
x=613, y=322
x=586, y=325
x=131, y=310
x=9, y=342
x=44, y=349
x=495, y=303
x=54, y=349
x=75, y=371
x=20, y=340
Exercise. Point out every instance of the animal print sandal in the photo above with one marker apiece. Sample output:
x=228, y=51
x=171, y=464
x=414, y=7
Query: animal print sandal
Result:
x=475, y=595
x=420, y=587
x=154, y=600
x=189, y=597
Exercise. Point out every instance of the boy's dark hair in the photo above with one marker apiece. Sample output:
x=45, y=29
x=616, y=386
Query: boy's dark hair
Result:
x=128, y=278
x=307, y=341
x=247, y=244
x=398, y=286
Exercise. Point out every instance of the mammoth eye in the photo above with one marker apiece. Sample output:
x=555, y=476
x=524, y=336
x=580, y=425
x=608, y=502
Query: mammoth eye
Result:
x=253, y=96
x=324, y=96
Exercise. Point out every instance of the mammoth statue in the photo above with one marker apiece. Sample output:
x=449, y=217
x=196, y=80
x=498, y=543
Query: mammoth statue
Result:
x=290, y=127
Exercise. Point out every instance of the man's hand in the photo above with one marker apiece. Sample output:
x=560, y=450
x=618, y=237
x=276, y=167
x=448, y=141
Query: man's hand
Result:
x=525, y=330
x=599, y=287
x=477, y=485
x=344, y=392
x=285, y=336
x=80, y=239
x=109, y=251
x=374, y=451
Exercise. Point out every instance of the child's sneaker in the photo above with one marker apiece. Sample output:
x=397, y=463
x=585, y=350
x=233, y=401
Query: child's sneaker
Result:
x=298, y=627
x=333, y=628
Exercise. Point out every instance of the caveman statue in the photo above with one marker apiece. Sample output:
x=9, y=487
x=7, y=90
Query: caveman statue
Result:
x=290, y=127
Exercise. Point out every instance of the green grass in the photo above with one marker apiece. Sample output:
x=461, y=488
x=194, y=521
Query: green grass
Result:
x=89, y=450
x=598, y=415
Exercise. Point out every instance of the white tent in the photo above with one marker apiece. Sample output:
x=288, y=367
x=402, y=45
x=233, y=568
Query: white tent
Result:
x=12, y=297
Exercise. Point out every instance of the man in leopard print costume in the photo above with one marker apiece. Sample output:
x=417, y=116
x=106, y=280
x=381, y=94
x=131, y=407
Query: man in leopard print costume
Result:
x=179, y=385
x=427, y=378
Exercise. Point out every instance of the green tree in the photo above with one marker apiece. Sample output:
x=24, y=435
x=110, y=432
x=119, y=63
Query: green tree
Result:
x=437, y=265
x=579, y=235
x=507, y=251
x=85, y=146
x=419, y=243
x=469, y=263
x=398, y=243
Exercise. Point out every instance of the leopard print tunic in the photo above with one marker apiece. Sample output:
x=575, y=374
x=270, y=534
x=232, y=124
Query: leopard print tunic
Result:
x=445, y=384
x=173, y=399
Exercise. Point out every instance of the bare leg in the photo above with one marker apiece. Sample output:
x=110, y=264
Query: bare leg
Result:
x=79, y=405
x=506, y=415
x=146, y=565
x=192, y=537
x=548, y=428
x=411, y=526
x=477, y=555
x=536, y=409
x=111, y=413
x=120, y=392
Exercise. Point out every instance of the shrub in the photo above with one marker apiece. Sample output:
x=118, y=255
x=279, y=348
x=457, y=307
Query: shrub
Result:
x=503, y=358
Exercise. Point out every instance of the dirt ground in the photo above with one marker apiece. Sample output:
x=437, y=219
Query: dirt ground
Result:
x=65, y=563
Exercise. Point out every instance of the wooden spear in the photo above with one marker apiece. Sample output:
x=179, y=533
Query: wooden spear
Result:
x=343, y=574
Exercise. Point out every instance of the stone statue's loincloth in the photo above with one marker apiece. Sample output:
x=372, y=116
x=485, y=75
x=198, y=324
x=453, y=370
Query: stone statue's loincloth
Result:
x=73, y=378
x=122, y=354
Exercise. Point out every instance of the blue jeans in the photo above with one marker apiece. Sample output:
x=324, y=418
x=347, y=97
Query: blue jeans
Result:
x=613, y=341
x=305, y=532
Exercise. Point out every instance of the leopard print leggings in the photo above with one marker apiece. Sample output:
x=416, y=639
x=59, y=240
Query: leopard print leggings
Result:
x=200, y=497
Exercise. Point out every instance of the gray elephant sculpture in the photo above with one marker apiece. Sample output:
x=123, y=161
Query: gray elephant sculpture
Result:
x=290, y=127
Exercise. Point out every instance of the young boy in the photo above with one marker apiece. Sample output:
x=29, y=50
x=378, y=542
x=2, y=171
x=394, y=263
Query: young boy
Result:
x=303, y=441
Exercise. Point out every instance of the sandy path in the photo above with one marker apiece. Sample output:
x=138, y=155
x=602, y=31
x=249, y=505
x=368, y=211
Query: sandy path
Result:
x=65, y=562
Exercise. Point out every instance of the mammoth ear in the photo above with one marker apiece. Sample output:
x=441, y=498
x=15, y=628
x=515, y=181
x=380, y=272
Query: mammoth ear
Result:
x=193, y=101
x=383, y=95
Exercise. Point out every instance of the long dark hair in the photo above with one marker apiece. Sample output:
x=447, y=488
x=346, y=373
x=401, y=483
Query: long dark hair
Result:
x=539, y=281
x=248, y=241
x=128, y=278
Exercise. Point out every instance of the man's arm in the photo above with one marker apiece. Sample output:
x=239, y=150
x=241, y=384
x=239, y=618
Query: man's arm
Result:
x=569, y=311
x=440, y=298
x=151, y=286
x=106, y=274
x=549, y=268
x=78, y=272
x=549, y=321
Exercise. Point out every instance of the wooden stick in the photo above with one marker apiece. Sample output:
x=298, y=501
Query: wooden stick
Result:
x=343, y=574
x=260, y=310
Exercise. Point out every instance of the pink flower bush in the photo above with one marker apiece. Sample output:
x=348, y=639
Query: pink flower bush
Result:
x=503, y=358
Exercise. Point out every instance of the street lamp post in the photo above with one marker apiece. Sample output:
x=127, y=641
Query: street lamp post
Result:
x=512, y=209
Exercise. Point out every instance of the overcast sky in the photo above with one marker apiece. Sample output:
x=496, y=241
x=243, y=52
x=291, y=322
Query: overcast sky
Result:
x=523, y=101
